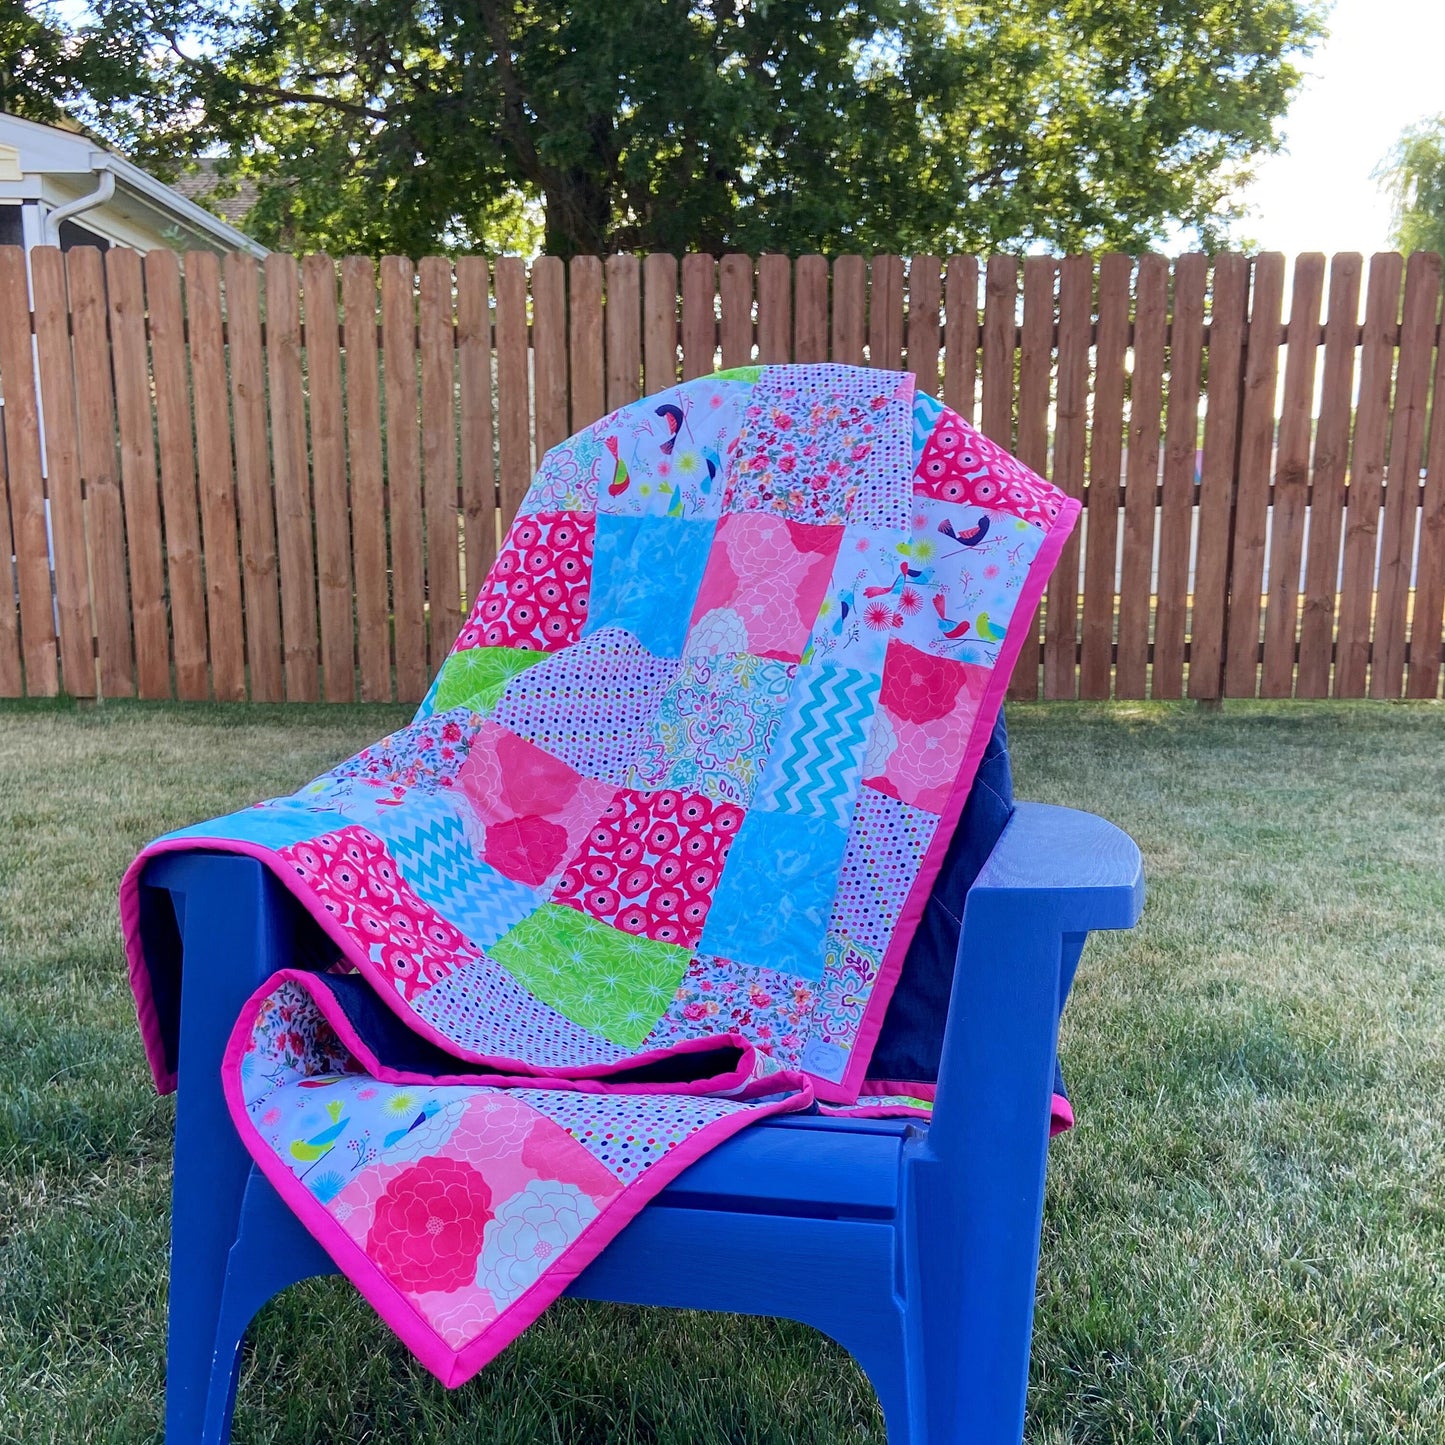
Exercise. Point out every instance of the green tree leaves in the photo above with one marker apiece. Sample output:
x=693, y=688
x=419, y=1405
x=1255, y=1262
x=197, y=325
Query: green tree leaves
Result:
x=1415, y=176
x=723, y=124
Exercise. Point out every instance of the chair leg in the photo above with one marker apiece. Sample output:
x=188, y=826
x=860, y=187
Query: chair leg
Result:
x=973, y=1202
x=234, y=936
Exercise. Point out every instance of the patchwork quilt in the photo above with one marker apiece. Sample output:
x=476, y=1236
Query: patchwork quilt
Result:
x=645, y=866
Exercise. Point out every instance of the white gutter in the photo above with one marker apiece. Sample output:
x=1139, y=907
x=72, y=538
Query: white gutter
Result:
x=104, y=190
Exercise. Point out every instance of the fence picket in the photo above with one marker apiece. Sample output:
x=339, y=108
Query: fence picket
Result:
x=67, y=506
x=925, y=294
x=699, y=315
x=960, y=335
x=1106, y=459
x=368, y=488
x=291, y=480
x=1331, y=455
x=1032, y=446
x=735, y=302
x=253, y=479
x=999, y=335
x=775, y=310
x=850, y=309
x=1141, y=483
x=1367, y=474
x=885, y=312
x=130, y=365
x=659, y=321
x=439, y=455
x=1427, y=622
x=810, y=309
x=584, y=343
x=1402, y=487
x=403, y=475
x=1229, y=301
x=176, y=450
x=514, y=432
x=624, y=342
x=25, y=479
x=1061, y=613
x=328, y=466
x=1291, y=479
x=549, y=352
x=1181, y=443
x=474, y=376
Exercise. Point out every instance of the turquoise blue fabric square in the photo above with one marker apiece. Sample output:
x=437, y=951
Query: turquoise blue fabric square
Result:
x=646, y=572
x=775, y=896
x=273, y=825
x=430, y=845
x=816, y=762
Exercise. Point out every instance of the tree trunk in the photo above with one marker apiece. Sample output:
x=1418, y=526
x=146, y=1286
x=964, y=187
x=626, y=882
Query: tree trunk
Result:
x=579, y=213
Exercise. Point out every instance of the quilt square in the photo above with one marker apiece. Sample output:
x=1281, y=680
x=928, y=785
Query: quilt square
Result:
x=407, y=944
x=718, y=996
x=863, y=604
x=533, y=810
x=612, y=983
x=885, y=850
x=968, y=567
x=792, y=863
x=426, y=834
x=648, y=570
x=592, y=705
x=927, y=710
x=763, y=586
x=714, y=727
x=831, y=445
x=650, y=864
x=476, y=677
x=817, y=756
x=668, y=453
x=959, y=464
x=536, y=595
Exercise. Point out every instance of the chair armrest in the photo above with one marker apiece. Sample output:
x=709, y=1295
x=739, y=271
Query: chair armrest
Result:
x=1082, y=871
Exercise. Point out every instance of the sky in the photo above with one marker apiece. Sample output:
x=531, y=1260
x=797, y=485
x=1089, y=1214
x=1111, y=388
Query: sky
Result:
x=1381, y=69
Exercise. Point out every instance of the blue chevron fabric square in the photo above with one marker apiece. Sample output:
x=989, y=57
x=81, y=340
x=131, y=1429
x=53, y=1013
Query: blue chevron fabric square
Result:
x=775, y=896
x=645, y=575
x=431, y=847
x=816, y=762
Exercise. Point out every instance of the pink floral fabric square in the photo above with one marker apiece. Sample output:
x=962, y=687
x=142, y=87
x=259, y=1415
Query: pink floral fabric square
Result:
x=765, y=580
x=921, y=730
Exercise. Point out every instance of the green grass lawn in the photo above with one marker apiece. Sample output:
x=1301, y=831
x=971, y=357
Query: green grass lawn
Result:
x=1245, y=1238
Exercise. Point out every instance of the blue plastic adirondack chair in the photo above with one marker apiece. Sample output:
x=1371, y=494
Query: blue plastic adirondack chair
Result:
x=914, y=1246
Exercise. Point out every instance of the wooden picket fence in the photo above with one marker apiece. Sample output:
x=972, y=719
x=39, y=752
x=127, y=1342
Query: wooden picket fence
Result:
x=220, y=485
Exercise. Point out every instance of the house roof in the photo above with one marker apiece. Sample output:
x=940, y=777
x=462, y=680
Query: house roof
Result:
x=50, y=152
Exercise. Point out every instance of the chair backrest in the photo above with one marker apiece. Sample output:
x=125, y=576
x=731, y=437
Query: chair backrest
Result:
x=911, y=1039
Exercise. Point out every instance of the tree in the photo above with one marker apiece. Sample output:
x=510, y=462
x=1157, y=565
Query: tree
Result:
x=731, y=124
x=1414, y=173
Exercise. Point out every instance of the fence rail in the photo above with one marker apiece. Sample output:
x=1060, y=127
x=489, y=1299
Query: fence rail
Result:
x=285, y=480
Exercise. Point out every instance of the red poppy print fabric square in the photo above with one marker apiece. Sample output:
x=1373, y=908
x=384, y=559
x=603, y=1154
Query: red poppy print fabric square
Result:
x=926, y=714
x=825, y=444
x=536, y=595
x=359, y=889
x=651, y=863
x=763, y=586
x=532, y=807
